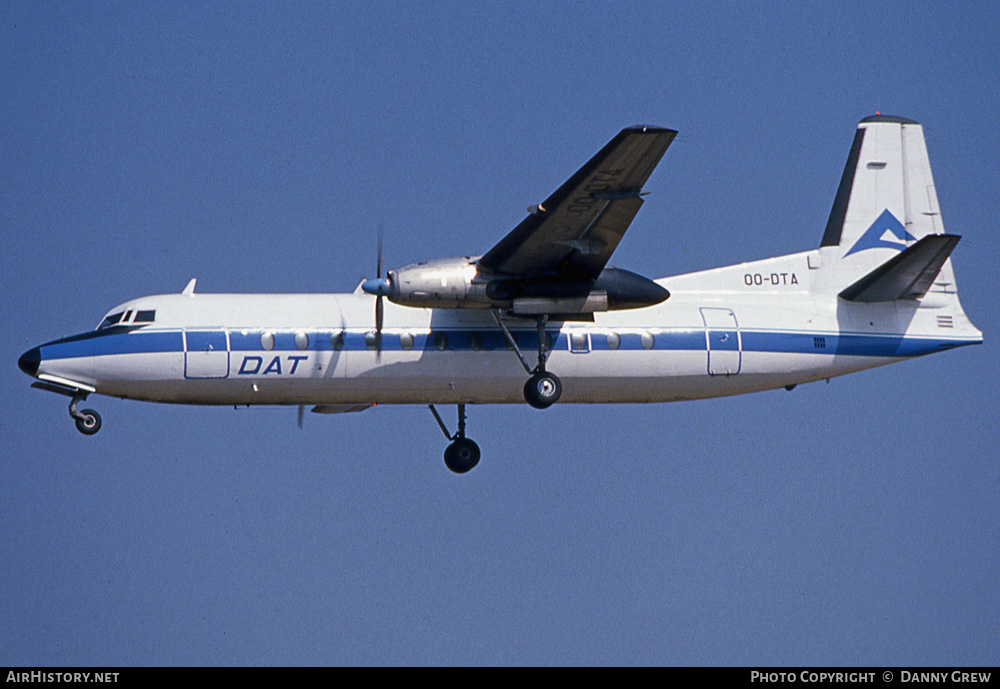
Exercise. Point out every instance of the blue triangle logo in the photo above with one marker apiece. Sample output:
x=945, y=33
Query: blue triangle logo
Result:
x=881, y=235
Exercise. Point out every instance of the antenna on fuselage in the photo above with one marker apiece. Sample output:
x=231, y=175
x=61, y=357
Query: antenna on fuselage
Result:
x=189, y=290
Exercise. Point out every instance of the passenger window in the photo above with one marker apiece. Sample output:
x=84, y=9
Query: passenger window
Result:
x=579, y=341
x=267, y=340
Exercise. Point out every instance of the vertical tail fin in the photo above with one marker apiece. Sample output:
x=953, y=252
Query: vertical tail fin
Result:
x=886, y=200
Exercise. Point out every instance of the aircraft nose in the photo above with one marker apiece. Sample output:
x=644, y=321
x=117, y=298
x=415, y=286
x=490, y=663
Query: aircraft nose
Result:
x=29, y=361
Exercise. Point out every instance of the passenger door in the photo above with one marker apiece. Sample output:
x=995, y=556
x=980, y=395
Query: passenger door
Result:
x=206, y=354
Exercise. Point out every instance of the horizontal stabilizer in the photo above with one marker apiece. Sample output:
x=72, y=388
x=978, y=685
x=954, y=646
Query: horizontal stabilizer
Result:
x=906, y=276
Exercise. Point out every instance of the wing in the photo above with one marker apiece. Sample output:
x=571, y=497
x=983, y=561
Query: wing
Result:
x=575, y=231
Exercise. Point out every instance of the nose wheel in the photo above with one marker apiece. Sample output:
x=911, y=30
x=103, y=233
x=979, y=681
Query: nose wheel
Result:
x=463, y=454
x=88, y=421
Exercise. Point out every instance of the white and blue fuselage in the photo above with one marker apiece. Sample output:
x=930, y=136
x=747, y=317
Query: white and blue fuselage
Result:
x=728, y=331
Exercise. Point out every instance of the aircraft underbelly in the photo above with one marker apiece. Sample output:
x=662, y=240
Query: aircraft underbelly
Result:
x=487, y=378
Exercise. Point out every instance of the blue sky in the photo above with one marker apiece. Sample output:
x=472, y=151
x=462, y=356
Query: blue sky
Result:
x=258, y=147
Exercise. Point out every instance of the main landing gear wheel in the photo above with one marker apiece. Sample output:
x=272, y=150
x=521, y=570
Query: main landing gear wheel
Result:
x=88, y=422
x=462, y=455
x=542, y=390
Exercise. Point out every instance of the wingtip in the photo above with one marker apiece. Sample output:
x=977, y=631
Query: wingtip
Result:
x=649, y=129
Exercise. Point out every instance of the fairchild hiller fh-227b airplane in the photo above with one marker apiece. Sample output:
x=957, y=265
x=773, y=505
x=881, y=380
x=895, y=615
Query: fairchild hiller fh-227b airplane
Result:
x=879, y=289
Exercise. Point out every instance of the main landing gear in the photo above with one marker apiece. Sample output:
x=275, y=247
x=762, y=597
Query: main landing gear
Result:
x=463, y=454
x=88, y=421
x=542, y=389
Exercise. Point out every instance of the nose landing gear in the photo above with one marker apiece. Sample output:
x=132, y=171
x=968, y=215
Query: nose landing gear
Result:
x=88, y=421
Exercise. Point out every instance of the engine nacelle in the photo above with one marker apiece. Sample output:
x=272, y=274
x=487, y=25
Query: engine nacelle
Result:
x=451, y=283
x=613, y=290
x=444, y=283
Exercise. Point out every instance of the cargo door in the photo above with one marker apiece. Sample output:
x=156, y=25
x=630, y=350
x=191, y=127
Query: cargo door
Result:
x=722, y=341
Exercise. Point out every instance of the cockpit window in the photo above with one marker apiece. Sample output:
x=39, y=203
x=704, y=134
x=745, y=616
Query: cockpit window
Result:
x=125, y=317
x=111, y=320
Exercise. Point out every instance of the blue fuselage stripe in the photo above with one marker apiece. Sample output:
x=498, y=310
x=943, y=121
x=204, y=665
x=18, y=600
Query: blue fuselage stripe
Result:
x=148, y=342
x=159, y=341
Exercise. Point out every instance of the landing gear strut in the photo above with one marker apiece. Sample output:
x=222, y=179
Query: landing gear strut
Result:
x=463, y=454
x=542, y=389
x=88, y=421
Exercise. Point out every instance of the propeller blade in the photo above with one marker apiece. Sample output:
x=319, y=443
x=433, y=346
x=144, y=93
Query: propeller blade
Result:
x=378, y=268
x=378, y=299
x=381, y=284
x=302, y=409
x=378, y=327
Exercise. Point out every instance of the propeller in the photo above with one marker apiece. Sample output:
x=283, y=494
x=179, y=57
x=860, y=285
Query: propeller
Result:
x=302, y=409
x=378, y=286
